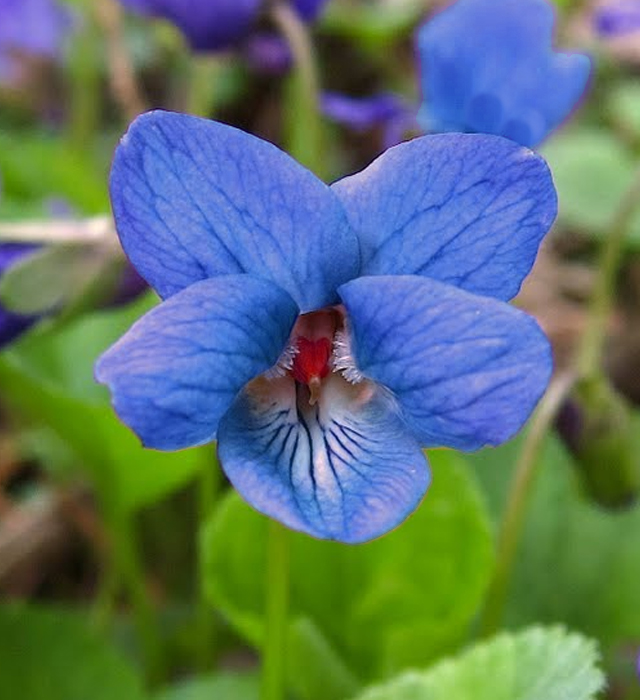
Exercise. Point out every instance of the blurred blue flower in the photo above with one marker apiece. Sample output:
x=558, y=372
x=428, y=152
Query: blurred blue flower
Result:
x=30, y=27
x=213, y=25
x=618, y=17
x=488, y=67
x=384, y=110
x=12, y=325
x=325, y=334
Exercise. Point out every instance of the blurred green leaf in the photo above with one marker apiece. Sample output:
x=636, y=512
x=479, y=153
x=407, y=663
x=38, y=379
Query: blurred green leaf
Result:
x=624, y=106
x=373, y=24
x=316, y=670
x=223, y=686
x=537, y=664
x=577, y=563
x=50, y=379
x=54, y=654
x=592, y=171
x=36, y=166
x=401, y=600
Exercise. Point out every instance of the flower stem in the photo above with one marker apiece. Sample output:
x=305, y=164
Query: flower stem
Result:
x=274, y=649
x=122, y=75
x=302, y=118
x=128, y=562
x=208, y=487
x=521, y=485
x=86, y=99
x=590, y=355
x=204, y=72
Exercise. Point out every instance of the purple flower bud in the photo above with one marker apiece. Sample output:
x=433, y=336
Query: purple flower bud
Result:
x=619, y=17
x=268, y=53
x=33, y=27
x=385, y=110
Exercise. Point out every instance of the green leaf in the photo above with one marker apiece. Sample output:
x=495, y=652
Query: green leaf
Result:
x=576, y=563
x=53, y=654
x=592, y=171
x=49, y=378
x=537, y=664
x=398, y=601
x=39, y=165
x=324, y=674
x=222, y=686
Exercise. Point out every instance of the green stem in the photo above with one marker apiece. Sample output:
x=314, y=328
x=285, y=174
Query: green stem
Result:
x=589, y=362
x=204, y=73
x=519, y=492
x=127, y=561
x=85, y=78
x=209, y=485
x=590, y=355
x=303, y=125
x=274, y=650
x=122, y=75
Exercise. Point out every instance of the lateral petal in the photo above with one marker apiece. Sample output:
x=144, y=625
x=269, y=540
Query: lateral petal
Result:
x=177, y=370
x=466, y=370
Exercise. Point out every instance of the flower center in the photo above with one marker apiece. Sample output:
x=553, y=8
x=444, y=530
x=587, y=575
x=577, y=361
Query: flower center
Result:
x=311, y=361
x=312, y=341
x=318, y=346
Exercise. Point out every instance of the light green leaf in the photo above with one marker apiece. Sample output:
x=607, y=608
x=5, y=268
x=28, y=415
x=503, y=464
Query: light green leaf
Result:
x=537, y=664
x=591, y=171
x=49, y=379
x=54, y=654
x=39, y=165
x=401, y=600
x=222, y=686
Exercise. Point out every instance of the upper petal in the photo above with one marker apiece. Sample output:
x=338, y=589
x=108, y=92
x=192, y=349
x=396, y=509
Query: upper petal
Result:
x=502, y=78
x=469, y=210
x=177, y=370
x=467, y=370
x=194, y=199
x=344, y=469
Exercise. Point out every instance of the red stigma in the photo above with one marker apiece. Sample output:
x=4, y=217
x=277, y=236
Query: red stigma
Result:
x=311, y=360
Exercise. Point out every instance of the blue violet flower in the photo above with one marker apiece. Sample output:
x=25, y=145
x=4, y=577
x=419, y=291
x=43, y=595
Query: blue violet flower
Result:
x=31, y=27
x=324, y=335
x=488, y=67
x=214, y=25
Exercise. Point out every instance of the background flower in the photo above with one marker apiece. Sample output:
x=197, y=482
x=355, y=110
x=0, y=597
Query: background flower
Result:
x=32, y=27
x=212, y=25
x=361, y=321
x=488, y=67
x=617, y=17
x=386, y=110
